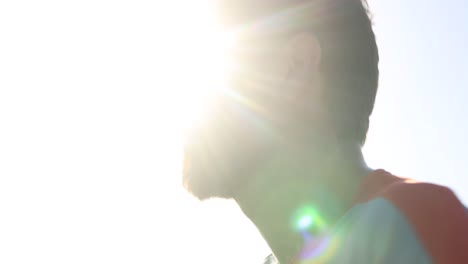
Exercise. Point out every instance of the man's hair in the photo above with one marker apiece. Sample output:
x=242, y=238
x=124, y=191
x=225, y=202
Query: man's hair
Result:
x=348, y=68
x=350, y=57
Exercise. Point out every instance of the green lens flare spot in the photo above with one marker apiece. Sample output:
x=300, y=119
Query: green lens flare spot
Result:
x=307, y=219
x=305, y=222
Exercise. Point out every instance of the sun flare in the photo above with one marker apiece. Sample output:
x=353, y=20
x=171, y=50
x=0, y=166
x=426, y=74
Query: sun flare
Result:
x=205, y=57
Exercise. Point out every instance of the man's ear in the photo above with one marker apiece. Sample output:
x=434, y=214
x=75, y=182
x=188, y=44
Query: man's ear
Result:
x=304, y=56
x=302, y=79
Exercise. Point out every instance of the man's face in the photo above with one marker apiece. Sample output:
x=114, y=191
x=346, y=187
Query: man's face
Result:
x=225, y=146
x=220, y=153
x=224, y=149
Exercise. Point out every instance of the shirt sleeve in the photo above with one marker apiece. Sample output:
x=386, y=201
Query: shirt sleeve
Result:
x=377, y=232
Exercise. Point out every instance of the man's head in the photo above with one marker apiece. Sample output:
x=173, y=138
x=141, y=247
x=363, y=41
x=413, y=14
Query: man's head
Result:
x=303, y=67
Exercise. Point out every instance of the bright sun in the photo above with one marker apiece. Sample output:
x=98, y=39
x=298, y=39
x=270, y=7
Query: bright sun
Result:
x=96, y=94
x=203, y=61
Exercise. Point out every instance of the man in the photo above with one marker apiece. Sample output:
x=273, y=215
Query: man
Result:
x=285, y=143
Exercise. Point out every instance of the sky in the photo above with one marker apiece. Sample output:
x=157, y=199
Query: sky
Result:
x=93, y=98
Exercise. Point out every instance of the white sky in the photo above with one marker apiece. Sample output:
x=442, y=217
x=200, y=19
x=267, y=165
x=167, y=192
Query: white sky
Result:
x=90, y=119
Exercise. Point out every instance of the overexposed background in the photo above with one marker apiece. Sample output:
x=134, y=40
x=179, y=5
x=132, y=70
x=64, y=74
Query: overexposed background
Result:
x=94, y=95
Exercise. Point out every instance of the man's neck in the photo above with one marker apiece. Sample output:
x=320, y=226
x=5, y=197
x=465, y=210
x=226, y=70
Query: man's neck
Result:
x=296, y=179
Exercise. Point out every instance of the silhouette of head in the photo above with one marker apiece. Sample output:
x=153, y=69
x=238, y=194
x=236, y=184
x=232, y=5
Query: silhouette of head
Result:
x=304, y=70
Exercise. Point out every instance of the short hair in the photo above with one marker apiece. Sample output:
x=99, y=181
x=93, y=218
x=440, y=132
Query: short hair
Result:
x=348, y=68
x=350, y=56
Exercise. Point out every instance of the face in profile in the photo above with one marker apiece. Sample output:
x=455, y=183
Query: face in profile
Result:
x=222, y=150
x=267, y=97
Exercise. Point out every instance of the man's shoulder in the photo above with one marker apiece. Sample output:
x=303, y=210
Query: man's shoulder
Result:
x=405, y=191
x=400, y=220
x=433, y=212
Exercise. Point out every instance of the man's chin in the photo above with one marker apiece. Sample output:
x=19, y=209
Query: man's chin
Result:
x=204, y=188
